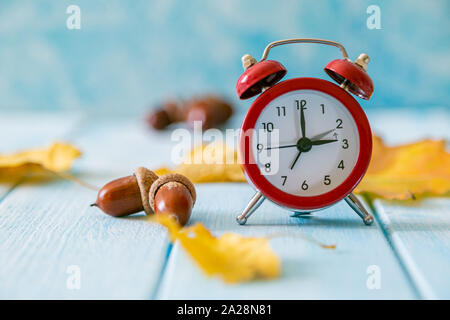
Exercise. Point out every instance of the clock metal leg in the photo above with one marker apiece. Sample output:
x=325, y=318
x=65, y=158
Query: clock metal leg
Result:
x=251, y=207
x=358, y=207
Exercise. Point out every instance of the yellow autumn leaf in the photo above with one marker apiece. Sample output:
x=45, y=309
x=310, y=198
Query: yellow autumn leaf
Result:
x=213, y=162
x=410, y=171
x=231, y=257
x=57, y=157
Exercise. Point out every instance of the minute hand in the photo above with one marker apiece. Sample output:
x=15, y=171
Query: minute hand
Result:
x=319, y=142
x=302, y=120
x=280, y=147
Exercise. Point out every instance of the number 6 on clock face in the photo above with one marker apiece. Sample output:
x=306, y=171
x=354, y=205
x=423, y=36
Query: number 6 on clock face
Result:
x=322, y=149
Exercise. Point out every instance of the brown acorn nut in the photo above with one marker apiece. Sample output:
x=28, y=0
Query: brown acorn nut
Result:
x=166, y=114
x=173, y=194
x=158, y=119
x=127, y=195
x=170, y=194
x=211, y=111
x=120, y=197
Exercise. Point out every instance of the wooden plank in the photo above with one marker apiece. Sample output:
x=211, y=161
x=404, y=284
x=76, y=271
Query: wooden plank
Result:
x=48, y=230
x=420, y=235
x=30, y=130
x=49, y=235
x=45, y=229
x=20, y=131
x=308, y=271
x=404, y=125
x=121, y=145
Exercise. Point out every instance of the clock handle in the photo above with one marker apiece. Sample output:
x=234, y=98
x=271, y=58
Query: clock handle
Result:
x=251, y=207
x=358, y=207
x=304, y=40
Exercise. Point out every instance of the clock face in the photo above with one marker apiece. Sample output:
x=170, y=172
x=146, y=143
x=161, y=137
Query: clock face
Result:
x=305, y=143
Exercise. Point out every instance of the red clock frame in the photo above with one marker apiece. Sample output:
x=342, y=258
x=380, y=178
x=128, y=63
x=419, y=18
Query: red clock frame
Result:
x=298, y=202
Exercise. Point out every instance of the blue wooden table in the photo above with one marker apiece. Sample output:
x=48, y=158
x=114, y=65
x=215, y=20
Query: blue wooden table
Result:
x=49, y=234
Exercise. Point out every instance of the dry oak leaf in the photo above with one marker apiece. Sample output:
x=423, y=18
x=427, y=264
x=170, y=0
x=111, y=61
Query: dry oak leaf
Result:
x=213, y=162
x=409, y=171
x=57, y=157
x=231, y=257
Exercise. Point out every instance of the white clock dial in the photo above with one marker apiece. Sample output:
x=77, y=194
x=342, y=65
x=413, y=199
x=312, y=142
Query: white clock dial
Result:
x=312, y=164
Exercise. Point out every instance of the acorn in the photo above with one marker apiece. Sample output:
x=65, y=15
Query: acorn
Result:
x=172, y=194
x=211, y=111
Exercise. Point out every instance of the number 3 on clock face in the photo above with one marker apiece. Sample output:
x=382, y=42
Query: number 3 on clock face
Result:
x=317, y=157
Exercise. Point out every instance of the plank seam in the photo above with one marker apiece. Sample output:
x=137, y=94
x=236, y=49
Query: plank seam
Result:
x=162, y=272
x=420, y=285
x=13, y=187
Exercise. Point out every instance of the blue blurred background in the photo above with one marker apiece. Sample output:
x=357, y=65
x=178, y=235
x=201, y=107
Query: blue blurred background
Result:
x=131, y=54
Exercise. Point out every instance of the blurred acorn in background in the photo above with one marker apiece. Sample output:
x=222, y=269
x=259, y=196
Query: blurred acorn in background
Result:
x=212, y=111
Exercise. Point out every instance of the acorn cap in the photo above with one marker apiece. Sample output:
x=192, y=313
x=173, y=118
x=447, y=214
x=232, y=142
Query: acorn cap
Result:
x=145, y=179
x=171, y=177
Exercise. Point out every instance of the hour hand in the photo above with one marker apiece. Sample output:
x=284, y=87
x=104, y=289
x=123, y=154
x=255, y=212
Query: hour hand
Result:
x=320, y=142
x=296, y=158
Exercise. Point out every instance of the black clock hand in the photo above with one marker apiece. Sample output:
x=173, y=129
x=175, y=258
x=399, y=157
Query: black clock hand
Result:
x=302, y=118
x=318, y=136
x=320, y=142
x=280, y=147
x=296, y=158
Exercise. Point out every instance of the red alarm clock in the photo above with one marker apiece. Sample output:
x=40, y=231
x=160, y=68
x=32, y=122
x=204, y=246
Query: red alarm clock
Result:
x=305, y=143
